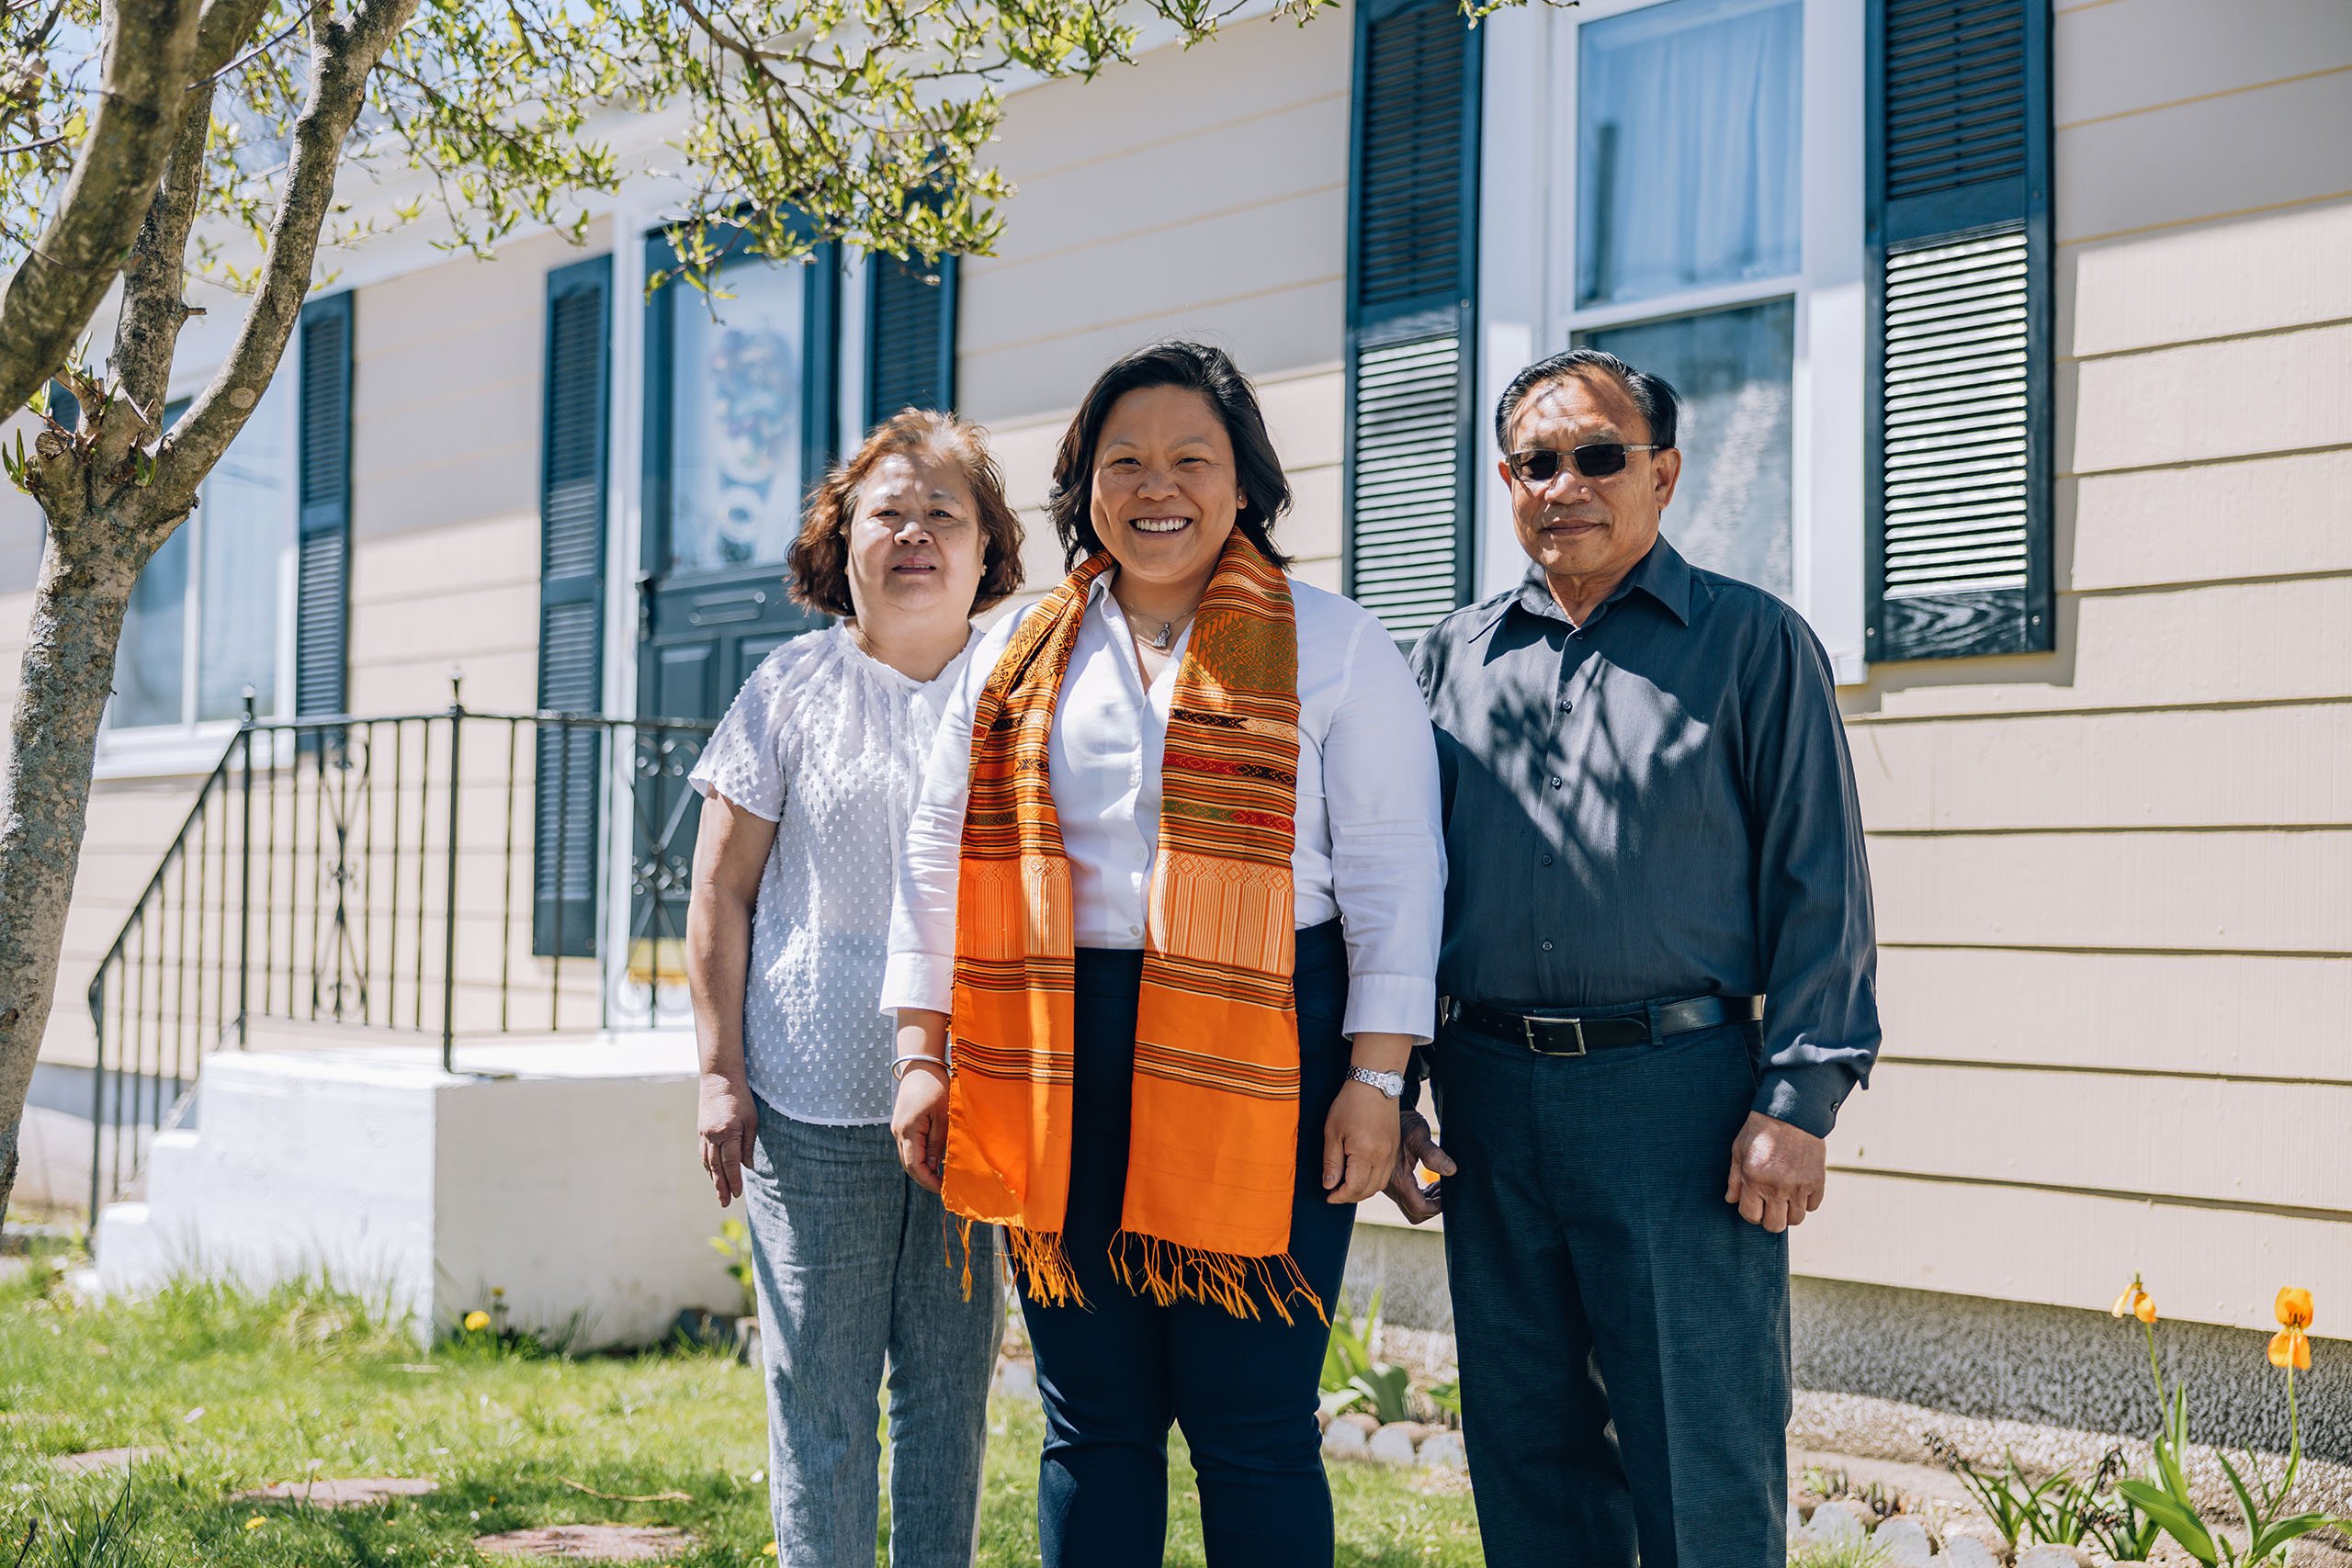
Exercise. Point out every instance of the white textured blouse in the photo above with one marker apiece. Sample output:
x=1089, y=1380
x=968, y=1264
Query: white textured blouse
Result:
x=1369, y=848
x=828, y=744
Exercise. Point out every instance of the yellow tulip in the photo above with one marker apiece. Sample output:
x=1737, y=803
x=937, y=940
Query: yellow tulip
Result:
x=2135, y=1302
x=2295, y=1307
x=255, y=1522
x=477, y=1321
x=2292, y=1347
x=768, y=1551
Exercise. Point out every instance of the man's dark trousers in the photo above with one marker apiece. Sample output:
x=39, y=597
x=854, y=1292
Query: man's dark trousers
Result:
x=1599, y=1277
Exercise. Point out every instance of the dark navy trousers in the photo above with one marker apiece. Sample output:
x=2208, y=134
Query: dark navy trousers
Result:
x=1115, y=1374
x=1623, y=1334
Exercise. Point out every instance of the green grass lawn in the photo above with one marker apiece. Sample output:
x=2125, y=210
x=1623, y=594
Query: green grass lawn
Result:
x=241, y=1392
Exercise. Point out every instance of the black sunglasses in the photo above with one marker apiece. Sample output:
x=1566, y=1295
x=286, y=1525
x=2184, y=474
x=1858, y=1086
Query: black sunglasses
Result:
x=1595, y=460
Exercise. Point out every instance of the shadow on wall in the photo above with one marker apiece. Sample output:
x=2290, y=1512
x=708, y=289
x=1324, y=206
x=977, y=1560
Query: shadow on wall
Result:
x=2059, y=1365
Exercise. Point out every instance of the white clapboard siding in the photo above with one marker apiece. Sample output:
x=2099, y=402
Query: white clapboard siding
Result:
x=2285, y=517
x=2155, y=409
x=2125, y=57
x=2234, y=643
x=2159, y=768
x=2155, y=1012
x=2077, y=1249
x=2213, y=1139
x=2225, y=891
x=2208, y=280
x=2186, y=162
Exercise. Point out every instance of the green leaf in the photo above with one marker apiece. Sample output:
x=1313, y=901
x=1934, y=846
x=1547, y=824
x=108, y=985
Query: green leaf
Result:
x=2278, y=1532
x=2177, y=1518
x=2247, y=1508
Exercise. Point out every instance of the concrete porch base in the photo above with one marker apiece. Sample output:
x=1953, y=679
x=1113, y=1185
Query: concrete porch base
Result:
x=561, y=1172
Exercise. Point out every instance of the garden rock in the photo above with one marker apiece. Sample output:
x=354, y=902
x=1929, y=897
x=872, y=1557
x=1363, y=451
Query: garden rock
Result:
x=102, y=1458
x=589, y=1543
x=1796, y=1523
x=1344, y=1439
x=1837, y=1524
x=1362, y=1421
x=342, y=1493
x=1904, y=1542
x=1443, y=1450
x=2047, y=1556
x=1392, y=1444
x=1967, y=1552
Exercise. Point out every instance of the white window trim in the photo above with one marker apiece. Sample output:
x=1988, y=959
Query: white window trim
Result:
x=1526, y=271
x=176, y=750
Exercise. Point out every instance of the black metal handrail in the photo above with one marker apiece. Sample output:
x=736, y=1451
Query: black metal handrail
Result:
x=363, y=870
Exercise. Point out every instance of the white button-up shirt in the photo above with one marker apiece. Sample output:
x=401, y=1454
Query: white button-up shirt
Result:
x=1368, y=847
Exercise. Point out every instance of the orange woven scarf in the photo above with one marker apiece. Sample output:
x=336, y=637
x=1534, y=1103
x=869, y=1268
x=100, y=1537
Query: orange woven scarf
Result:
x=1212, y=1155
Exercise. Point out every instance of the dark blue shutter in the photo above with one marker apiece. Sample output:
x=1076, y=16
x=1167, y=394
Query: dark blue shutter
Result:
x=1412, y=271
x=1960, y=319
x=565, y=842
x=909, y=336
x=323, y=575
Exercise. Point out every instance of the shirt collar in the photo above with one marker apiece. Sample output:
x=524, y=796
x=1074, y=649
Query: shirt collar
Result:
x=1662, y=574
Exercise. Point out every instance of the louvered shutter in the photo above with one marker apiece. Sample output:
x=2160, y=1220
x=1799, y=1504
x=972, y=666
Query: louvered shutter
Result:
x=909, y=336
x=1960, y=446
x=1413, y=221
x=322, y=572
x=565, y=841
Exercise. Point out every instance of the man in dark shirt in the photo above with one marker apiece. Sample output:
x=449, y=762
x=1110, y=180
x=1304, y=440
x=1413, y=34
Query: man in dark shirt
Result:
x=1658, y=972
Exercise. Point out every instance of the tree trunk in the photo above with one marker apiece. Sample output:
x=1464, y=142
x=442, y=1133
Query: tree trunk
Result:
x=67, y=674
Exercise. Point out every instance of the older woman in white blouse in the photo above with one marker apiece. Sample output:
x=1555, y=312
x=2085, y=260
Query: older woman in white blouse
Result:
x=1187, y=807
x=809, y=780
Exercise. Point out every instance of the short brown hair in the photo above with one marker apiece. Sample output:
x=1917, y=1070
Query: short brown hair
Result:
x=817, y=567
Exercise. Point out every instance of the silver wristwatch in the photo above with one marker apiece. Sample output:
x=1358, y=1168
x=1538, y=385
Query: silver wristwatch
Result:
x=1390, y=1084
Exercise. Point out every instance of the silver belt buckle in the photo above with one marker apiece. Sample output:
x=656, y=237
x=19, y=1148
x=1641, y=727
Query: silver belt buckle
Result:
x=1527, y=1032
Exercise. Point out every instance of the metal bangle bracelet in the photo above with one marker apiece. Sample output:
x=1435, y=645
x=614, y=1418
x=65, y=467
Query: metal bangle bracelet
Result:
x=898, y=1065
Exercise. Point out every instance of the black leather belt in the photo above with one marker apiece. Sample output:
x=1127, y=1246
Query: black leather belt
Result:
x=1555, y=1034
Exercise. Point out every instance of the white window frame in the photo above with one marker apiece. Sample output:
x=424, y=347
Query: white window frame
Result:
x=193, y=746
x=1527, y=279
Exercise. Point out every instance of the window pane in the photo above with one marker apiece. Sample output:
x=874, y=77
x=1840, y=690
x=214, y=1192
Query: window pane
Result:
x=246, y=522
x=736, y=419
x=1687, y=147
x=147, y=665
x=1731, y=508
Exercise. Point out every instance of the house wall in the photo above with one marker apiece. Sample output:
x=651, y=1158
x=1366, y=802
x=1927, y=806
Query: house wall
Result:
x=2114, y=884
x=1199, y=193
x=446, y=365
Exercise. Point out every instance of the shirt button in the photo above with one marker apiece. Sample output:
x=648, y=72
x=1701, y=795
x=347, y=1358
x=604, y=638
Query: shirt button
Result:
x=1556, y=781
x=1134, y=930
x=1567, y=706
x=1547, y=947
x=1547, y=860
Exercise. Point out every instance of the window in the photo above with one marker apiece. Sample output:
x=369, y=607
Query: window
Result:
x=1688, y=254
x=204, y=617
x=1681, y=182
x=736, y=419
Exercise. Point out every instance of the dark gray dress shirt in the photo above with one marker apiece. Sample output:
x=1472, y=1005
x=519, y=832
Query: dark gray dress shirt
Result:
x=1657, y=805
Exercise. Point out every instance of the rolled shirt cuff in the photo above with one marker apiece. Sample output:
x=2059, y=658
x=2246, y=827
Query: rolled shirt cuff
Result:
x=1391, y=1004
x=919, y=980
x=1805, y=1096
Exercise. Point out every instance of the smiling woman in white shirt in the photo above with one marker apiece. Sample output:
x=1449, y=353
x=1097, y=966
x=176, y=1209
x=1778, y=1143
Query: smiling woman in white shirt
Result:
x=1176, y=877
x=809, y=781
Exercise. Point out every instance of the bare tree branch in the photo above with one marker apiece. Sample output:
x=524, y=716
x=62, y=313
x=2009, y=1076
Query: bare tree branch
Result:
x=342, y=57
x=49, y=303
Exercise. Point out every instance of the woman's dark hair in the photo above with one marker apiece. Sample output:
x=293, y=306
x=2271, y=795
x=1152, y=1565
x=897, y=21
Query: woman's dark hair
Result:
x=818, y=564
x=1196, y=367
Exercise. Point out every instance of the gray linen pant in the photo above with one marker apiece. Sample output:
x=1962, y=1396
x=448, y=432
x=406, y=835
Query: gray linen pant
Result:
x=855, y=1288
x=1623, y=1333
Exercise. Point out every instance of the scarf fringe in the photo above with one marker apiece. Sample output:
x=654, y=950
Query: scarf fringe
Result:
x=1042, y=1264
x=1170, y=1273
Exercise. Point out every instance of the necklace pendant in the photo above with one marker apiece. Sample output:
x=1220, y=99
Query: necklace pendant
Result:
x=1166, y=635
